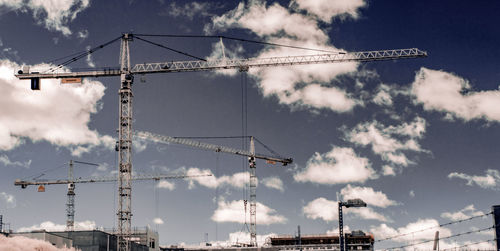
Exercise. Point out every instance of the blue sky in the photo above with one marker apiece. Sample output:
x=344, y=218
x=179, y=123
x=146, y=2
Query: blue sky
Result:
x=416, y=138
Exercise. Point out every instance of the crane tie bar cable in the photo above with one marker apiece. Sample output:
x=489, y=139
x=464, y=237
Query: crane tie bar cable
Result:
x=443, y=238
x=441, y=225
x=234, y=38
x=82, y=55
x=168, y=48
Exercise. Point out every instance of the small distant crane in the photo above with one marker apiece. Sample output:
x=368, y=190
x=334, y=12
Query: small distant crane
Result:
x=252, y=156
x=126, y=73
x=347, y=204
x=71, y=181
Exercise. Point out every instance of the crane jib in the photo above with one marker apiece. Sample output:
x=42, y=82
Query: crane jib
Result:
x=221, y=64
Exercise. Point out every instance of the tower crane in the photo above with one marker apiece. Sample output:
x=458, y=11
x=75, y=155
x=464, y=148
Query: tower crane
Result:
x=127, y=72
x=70, y=204
x=252, y=156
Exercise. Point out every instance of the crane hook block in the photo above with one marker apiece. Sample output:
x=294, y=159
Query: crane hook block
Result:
x=35, y=84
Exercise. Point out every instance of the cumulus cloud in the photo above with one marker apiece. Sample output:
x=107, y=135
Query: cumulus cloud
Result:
x=431, y=226
x=21, y=243
x=390, y=141
x=388, y=170
x=336, y=231
x=237, y=180
x=368, y=195
x=166, y=184
x=9, y=199
x=51, y=226
x=306, y=86
x=467, y=212
x=368, y=213
x=327, y=210
x=274, y=183
x=55, y=15
x=158, y=221
x=326, y=9
x=339, y=165
x=453, y=95
x=234, y=211
x=5, y=160
x=59, y=114
x=489, y=181
x=321, y=208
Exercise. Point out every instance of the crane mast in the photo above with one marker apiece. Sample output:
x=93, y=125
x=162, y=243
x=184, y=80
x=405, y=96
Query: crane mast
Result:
x=70, y=204
x=125, y=148
x=126, y=73
x=253, y=195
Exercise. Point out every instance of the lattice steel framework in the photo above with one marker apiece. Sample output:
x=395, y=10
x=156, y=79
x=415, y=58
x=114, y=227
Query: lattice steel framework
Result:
x=124, y=146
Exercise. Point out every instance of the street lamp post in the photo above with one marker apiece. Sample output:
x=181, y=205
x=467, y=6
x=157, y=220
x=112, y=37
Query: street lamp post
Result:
x=348, y=204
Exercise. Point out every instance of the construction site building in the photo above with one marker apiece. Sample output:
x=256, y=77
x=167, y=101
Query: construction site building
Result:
x=356, y=240
x=90, y=240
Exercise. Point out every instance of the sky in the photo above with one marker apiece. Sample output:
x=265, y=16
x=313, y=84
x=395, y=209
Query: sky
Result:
x=414, y=138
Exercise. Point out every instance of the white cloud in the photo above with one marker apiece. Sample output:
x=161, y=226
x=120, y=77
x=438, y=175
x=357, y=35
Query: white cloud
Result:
x=327, y=210
x=383, y=96
x=51, y=226
x=449, y=93
x=166, y=184
x=390, y=141
x=244, y=237
x=467, y=212
x=340, y=165
x=9, y=199
x=88, y=59
x=336, y=231
x=305, y=86
x=274, y=183
x=367, y=213
x=235, y=238
x=83, y=34
x=55, y=15
x=4, y=159
x=488, y=181
x=368, y=195
x=190, y=10
x=21, y=243
x=432, y=225
x=412, y=193
x=158, y=221
x=326, y=9
x=388, y=170
x=322, y=208
x=237, y=180
x=234, y=211
x=59, y=114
